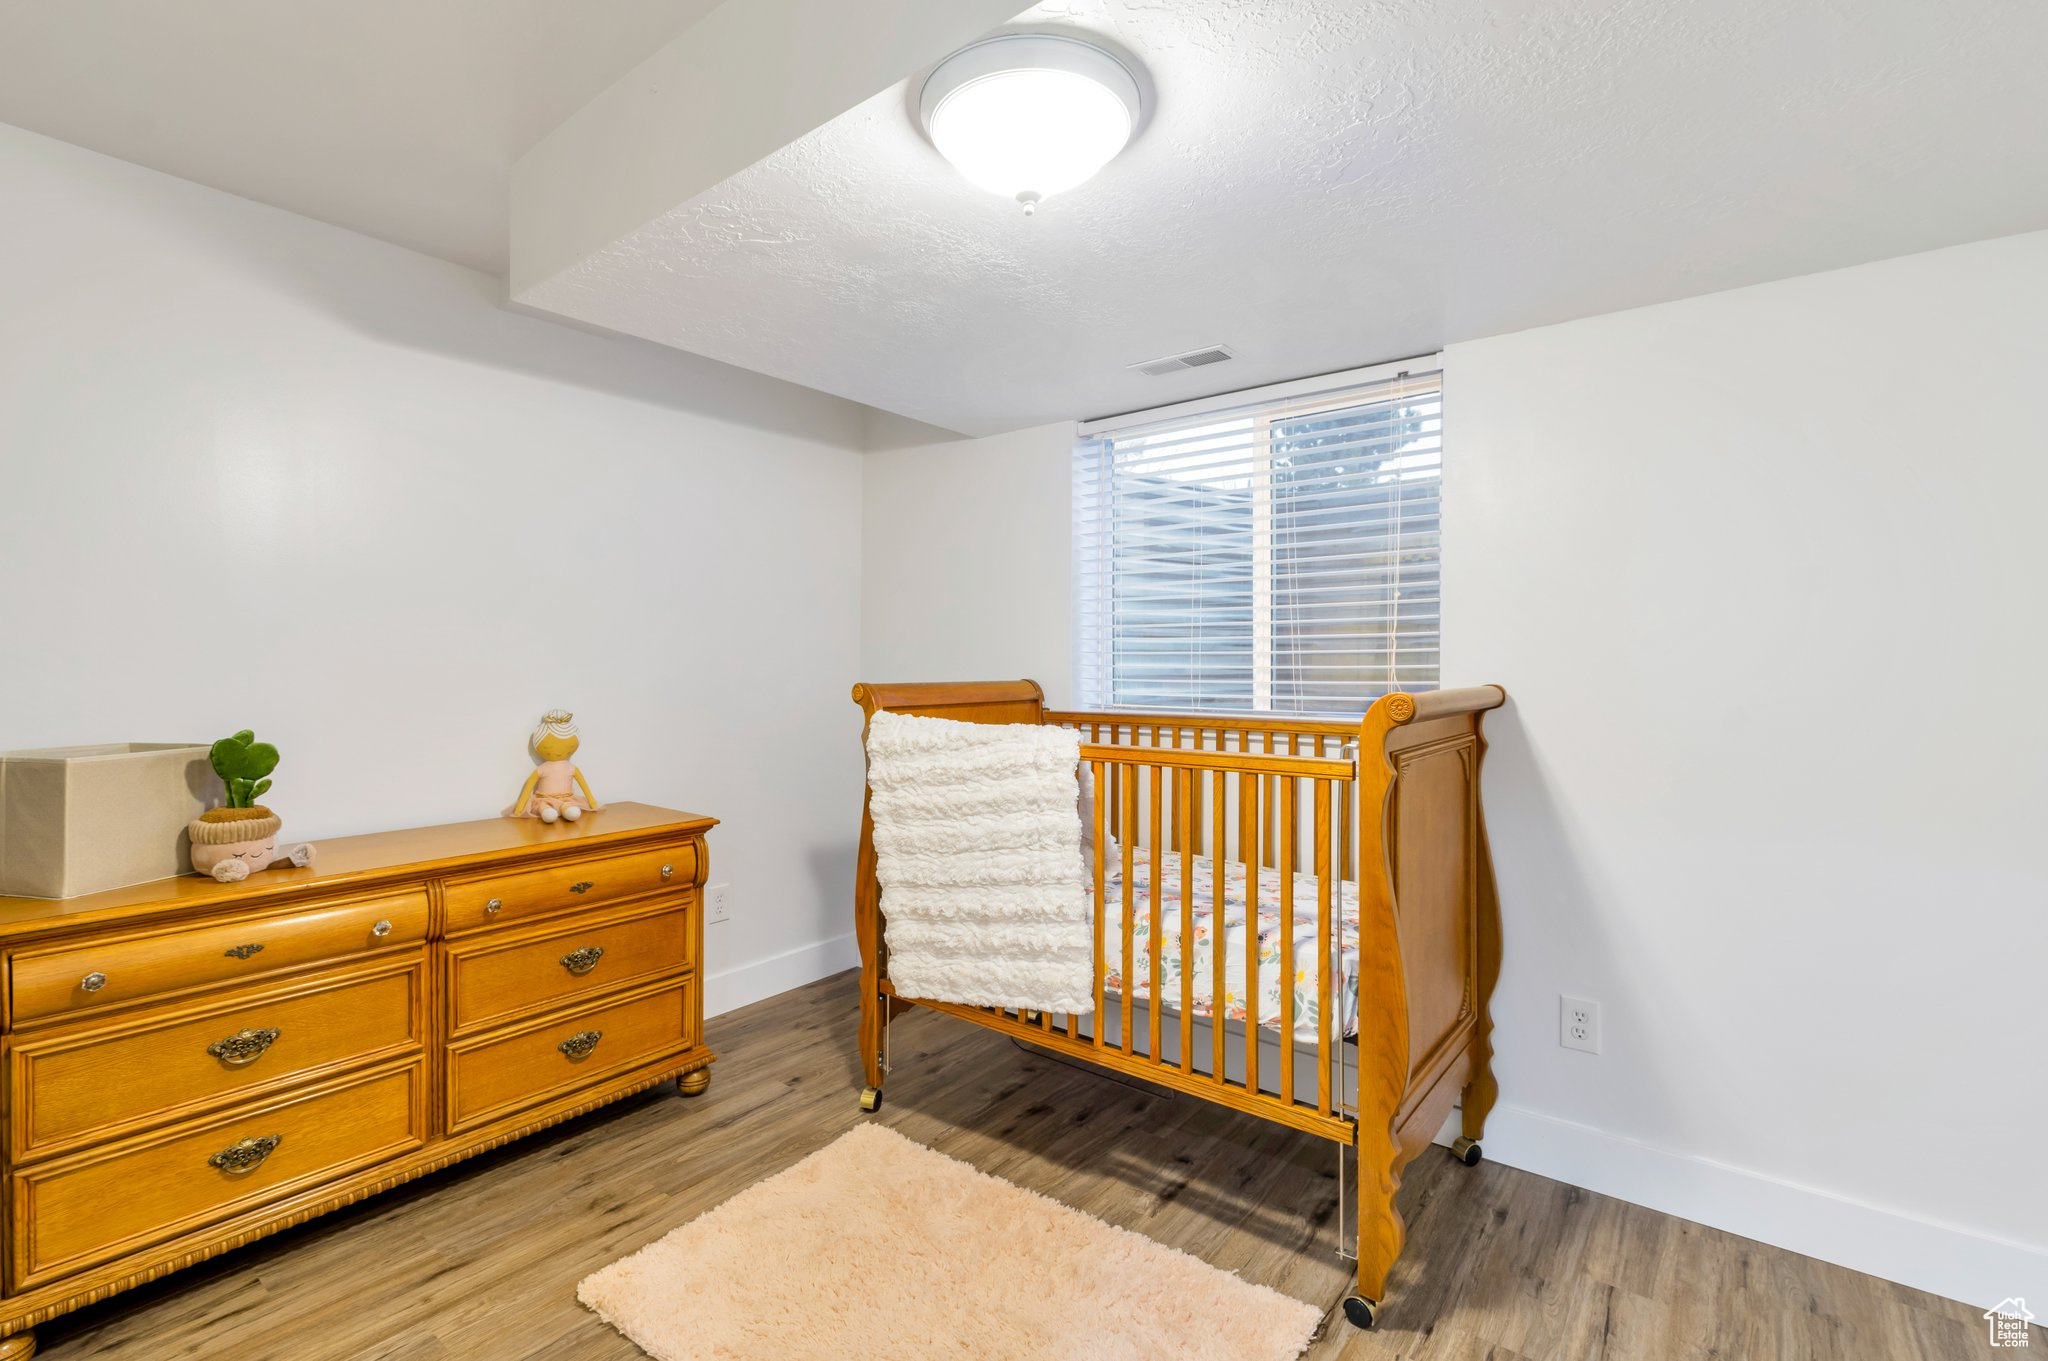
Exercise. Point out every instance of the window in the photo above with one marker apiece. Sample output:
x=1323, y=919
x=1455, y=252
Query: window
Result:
x=1271, y=551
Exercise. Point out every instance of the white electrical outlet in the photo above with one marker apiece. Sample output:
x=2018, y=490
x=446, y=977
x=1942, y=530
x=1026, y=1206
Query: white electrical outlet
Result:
x=719, y=897
x=1578, y=1024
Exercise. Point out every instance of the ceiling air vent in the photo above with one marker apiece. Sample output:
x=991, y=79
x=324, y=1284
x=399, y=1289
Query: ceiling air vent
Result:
x=1174, y=363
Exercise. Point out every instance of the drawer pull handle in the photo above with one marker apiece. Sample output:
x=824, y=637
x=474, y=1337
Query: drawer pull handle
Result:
x=244, y=1046
x=247, y=1155
x=244, y=951
x=382, y=928
x=667, y=871
x=93, y=982
x=581, y=1043
x=580, y=962
x=583, y=887
x=494, y=906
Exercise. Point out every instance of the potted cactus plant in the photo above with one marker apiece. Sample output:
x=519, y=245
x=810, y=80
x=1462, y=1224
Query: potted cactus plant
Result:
x=240, y=837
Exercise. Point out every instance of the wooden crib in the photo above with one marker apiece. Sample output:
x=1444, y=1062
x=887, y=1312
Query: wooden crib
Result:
x=1272, y=797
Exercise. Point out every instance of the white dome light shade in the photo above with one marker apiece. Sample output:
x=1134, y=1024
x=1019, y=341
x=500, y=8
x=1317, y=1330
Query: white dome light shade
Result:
x=1030, y=115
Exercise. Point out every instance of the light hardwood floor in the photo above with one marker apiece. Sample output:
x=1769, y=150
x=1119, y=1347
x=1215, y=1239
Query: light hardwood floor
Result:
x=481, y=1263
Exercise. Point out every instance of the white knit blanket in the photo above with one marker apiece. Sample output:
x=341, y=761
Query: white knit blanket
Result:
x=978, y=850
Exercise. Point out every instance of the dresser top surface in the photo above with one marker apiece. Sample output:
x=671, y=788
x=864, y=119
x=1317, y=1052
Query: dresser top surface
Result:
x=343, y=862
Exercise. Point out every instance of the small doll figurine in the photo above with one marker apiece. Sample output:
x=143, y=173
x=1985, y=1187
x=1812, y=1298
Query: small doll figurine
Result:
x=556, y=791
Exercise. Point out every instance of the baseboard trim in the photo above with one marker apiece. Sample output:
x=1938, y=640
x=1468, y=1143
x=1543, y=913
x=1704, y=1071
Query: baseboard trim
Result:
x=1975, y=1268
x=735, y=987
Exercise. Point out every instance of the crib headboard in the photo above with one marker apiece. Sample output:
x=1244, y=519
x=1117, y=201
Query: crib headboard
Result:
x=964, y=701
x=1429, y=925
x=1020, y=701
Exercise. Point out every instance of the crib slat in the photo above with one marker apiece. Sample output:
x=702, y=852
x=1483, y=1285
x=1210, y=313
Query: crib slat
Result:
x=1293, y=832
x=1251, y=936
x=1326, y=1041
x=1287, y=939
x=1266, y=791
x=1129, y=967
x=1173, y=824
x=1346, y=823
x=1247, y=834
x=1115, y=792
x=1184, y=786
x=1101, y=908
x=1158, y=853
x=1219, y=807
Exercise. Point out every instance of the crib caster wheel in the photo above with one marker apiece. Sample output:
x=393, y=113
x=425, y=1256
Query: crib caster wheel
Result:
x=1362, y=1312
x=871, y=1099
x=1466, y=1151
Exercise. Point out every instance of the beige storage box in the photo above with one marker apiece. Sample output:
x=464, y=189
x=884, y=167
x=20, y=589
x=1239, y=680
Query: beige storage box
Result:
x=78, y=820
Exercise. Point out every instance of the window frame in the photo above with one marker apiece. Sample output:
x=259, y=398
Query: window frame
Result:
x=1094, y=665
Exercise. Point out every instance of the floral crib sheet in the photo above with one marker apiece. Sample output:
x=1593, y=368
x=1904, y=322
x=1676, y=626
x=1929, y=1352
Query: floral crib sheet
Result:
x=1307, y=964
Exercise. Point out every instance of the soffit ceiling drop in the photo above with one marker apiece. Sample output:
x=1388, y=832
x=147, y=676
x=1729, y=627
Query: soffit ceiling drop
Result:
x=397, y=118
x=1322, y=184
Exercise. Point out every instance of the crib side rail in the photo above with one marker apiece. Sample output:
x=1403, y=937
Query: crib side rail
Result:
x=1256, y=725
x=1249, y=1025
x=1242, y=734
x=1251, y=1019
x=1314, y=767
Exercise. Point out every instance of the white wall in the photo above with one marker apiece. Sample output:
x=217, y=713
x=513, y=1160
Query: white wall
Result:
x=256, y=471
x=973, y=550
x=1761, y=573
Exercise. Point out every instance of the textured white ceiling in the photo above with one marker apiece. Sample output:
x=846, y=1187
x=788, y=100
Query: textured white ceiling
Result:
x=399, y=118
x=1327, y=184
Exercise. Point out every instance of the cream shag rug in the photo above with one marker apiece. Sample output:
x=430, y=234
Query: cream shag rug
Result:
x=875, y=1245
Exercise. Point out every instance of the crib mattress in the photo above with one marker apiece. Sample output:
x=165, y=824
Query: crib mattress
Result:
x=1173, y=961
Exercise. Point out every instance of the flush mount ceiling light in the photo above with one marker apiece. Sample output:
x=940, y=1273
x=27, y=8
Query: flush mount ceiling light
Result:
x=1026, y=115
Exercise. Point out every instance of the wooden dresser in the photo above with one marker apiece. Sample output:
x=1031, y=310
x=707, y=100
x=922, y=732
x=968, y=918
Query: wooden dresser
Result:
x=191, y=1065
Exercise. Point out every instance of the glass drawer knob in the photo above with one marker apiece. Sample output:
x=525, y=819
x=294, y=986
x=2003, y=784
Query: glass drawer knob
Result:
x=667, y=870
x=492, y=906
x=93, y=982
x=382, y=928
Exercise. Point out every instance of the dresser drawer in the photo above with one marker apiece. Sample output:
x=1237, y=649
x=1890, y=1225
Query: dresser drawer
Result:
x=506, y=974
x=74, y=980
x=76, y=1211
x=503, y=899
x=495, y=1076
x=77, y=1083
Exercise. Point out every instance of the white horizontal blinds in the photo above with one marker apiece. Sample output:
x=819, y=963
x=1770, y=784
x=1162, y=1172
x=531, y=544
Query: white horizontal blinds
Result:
x=1276, y=556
